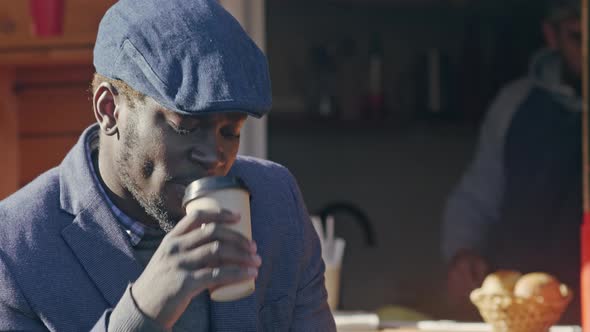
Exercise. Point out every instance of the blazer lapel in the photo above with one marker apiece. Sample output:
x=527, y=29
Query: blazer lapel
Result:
x=95, y=236
x=101, y=247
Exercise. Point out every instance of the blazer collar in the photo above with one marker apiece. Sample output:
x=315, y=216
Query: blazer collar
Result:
x=95, y=236
x=77, y=187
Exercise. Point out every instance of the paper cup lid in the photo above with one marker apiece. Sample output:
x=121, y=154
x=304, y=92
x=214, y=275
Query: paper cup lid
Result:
x=206, y=185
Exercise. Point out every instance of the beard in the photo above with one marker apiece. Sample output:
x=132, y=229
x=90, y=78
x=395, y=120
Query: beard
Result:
x=152, y=203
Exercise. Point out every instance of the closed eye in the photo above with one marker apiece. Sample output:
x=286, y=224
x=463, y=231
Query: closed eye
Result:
x=181, y=131
x=230, y=133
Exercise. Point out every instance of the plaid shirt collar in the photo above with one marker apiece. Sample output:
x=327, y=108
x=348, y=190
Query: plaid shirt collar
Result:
x=135, y=229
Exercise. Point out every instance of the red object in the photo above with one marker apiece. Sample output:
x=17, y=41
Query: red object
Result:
x=48, y=17
x=585, y=273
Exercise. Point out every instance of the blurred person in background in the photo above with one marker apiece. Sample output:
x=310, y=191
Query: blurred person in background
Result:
x=519, y=205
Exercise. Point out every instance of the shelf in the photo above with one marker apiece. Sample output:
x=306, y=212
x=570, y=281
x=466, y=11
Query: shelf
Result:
x=304, y=123
x=80, y=24
x=413, y=3
x=46, y=56
x=301, y=123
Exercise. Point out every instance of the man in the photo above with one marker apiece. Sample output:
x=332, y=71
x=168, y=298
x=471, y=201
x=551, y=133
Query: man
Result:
x=519, y=204
x=101, y=242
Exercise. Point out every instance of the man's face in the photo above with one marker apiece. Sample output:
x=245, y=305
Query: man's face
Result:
x=569, y=44
x=160, y=152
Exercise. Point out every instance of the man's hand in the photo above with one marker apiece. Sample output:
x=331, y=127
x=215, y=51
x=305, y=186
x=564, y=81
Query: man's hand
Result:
x=198, y=254
x=466, y=272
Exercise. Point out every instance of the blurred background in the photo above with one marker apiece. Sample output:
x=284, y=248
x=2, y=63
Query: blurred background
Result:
x=377, y=106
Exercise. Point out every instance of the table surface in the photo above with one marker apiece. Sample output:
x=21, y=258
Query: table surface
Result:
x=445, y=326
x=368, y=322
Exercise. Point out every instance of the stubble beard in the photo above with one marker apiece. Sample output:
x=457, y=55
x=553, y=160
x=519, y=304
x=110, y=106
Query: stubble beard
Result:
x=152, y=203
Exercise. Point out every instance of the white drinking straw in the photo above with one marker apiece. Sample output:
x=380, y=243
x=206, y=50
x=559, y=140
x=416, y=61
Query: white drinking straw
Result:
x=338, y=251
x=330, y=238
x=317, y=224
x=330, y=230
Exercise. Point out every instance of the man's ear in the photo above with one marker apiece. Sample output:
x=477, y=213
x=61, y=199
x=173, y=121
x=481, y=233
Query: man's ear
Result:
x=105, y=100
x=551, y=35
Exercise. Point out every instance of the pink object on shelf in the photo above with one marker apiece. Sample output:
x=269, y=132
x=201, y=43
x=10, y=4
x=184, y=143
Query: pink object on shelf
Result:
x=47, y=17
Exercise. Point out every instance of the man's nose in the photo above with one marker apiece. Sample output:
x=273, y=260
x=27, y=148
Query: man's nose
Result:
x=208, y=152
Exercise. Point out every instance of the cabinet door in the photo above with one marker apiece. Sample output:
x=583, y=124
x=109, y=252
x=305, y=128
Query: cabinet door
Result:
x=54, y=107
x=81, y=18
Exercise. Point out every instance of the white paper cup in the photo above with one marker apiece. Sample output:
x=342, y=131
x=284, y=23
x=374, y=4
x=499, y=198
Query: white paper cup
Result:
x=214, y=194
x=332, y=282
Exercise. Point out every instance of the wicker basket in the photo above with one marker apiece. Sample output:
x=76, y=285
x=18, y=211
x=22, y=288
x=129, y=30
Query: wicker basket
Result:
x=509, y=313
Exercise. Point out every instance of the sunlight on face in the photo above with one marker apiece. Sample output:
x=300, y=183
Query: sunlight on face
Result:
x=161, y=152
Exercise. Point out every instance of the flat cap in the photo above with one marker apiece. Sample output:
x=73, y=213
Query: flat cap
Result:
x=191, y=56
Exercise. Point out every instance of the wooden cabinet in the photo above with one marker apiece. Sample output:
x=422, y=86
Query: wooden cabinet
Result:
x=43, y=112
x=20, y=46
x=81, y=18
x=9, y=167
x=44, y=82
x=54, y=107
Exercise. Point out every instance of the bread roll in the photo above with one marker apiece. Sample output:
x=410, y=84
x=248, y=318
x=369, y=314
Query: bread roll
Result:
x=542, y=285
x=500, y=282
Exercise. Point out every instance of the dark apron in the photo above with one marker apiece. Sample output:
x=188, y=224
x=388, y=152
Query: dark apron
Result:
x=542, y=204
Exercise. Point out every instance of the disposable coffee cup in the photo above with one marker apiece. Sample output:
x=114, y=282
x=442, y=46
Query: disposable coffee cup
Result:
x=215, y=194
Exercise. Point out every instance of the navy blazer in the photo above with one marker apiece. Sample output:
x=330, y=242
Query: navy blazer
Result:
x=65, y=261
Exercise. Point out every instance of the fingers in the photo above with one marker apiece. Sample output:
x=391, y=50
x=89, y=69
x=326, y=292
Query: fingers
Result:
x=218, y=254
x=207, y=253
x=196, y=219
x=214, y=232
x=220, y=276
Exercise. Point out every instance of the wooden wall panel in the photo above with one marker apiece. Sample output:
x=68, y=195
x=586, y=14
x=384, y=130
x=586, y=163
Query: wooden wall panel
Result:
x=81, y=19
x=9, y=164
x=46, y=56
x=43, y=75
x=41, y=154
x=54, y=111
x=44, y=82
x=54, y=108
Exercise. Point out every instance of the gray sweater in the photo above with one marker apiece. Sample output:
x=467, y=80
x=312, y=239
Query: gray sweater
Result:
x=127, y=317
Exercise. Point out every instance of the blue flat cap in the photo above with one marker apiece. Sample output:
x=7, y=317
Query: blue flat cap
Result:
x=191, y=56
